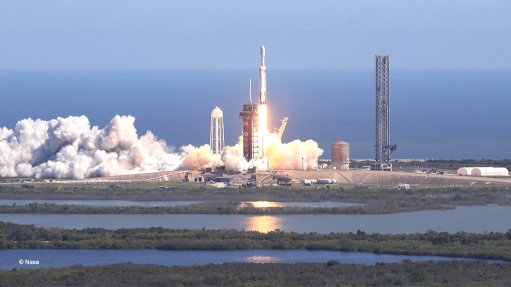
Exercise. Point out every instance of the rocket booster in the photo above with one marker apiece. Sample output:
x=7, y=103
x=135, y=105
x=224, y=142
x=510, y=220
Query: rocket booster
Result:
x=262, y=78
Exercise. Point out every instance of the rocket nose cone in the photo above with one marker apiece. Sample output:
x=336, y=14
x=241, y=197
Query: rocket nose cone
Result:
x=263, y=51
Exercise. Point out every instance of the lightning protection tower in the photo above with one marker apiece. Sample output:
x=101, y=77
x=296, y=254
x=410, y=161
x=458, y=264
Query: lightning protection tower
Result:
x=383, y=147
x=216, y=134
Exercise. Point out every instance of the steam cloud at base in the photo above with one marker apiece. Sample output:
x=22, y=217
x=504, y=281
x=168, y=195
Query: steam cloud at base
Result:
x=72, y=148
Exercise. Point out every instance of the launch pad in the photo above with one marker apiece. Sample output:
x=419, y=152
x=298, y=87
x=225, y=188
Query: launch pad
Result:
x=297, y=178
x=255, y=118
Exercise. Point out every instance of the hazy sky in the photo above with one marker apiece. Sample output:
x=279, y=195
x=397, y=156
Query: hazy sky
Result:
x=221, y=34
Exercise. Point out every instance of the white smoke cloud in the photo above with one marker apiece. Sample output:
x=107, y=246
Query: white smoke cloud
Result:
x=233, y=159
x=198, y=157
x=72, y=148
x=293, y=155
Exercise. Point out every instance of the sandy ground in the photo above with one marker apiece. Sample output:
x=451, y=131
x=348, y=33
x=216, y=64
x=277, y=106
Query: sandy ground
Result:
x=391, y=178
x=356, y=177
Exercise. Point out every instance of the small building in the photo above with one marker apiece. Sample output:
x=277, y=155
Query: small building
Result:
x=381, y=166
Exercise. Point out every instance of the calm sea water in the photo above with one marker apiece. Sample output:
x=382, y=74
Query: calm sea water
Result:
x=469, y=219
x=66, y=257
x=434, y=114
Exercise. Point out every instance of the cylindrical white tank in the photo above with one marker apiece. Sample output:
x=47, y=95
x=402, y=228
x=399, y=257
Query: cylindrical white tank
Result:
x=325, y=181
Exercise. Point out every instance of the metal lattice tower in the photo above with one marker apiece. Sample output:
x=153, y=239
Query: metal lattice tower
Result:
x=383, y=148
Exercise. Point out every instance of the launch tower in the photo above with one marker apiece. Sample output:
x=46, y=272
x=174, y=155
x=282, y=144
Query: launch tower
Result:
x=383, y=147
x=250, y=117
x=255, y=117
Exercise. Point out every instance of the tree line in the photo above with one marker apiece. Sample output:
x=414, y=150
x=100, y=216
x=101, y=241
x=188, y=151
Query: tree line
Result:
x=491, y=245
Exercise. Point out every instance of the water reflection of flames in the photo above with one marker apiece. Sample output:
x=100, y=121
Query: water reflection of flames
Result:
x=264, y=204
x=263, y=224
x=260, y=204
x=261, y=259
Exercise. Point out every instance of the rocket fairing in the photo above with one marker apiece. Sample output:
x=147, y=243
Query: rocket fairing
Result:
x=262, y=78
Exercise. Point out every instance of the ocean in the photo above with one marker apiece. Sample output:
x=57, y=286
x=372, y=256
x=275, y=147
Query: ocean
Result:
x=434, y=113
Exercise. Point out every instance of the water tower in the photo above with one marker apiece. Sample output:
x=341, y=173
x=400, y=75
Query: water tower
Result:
x=216, y=134
x=341, y=155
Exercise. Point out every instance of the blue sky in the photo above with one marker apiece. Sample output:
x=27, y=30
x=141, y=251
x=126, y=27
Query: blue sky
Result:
x=207, y=34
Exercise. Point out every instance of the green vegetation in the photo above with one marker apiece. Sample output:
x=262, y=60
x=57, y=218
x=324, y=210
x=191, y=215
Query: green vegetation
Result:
x=134, y=191
x=249, y=274
x=461, y=244
x=375, y=200
x=202, y=208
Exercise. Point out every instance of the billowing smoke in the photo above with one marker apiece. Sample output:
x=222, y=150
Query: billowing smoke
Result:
x=72, y=148
x=293, y=155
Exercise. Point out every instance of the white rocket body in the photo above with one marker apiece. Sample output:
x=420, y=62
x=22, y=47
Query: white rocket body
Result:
x=262, y=78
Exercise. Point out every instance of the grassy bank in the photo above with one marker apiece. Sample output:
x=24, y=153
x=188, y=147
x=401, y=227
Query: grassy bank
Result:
x=211, y=208
x=484, y=246
x=249, y=274
x=375, y=200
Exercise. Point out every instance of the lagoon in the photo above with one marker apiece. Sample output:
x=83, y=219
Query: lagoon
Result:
x=487, y=218
x=46, y=258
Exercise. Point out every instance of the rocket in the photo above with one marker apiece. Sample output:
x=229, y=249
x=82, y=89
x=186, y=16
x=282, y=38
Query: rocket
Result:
x=262, y=78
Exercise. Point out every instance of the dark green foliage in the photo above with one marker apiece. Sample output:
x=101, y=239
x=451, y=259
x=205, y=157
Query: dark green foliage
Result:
x=461, y=244
x=202, y=208
x=332, y=263
x=248, y=274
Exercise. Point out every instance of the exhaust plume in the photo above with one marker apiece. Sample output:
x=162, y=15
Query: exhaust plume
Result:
x=71, y=148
